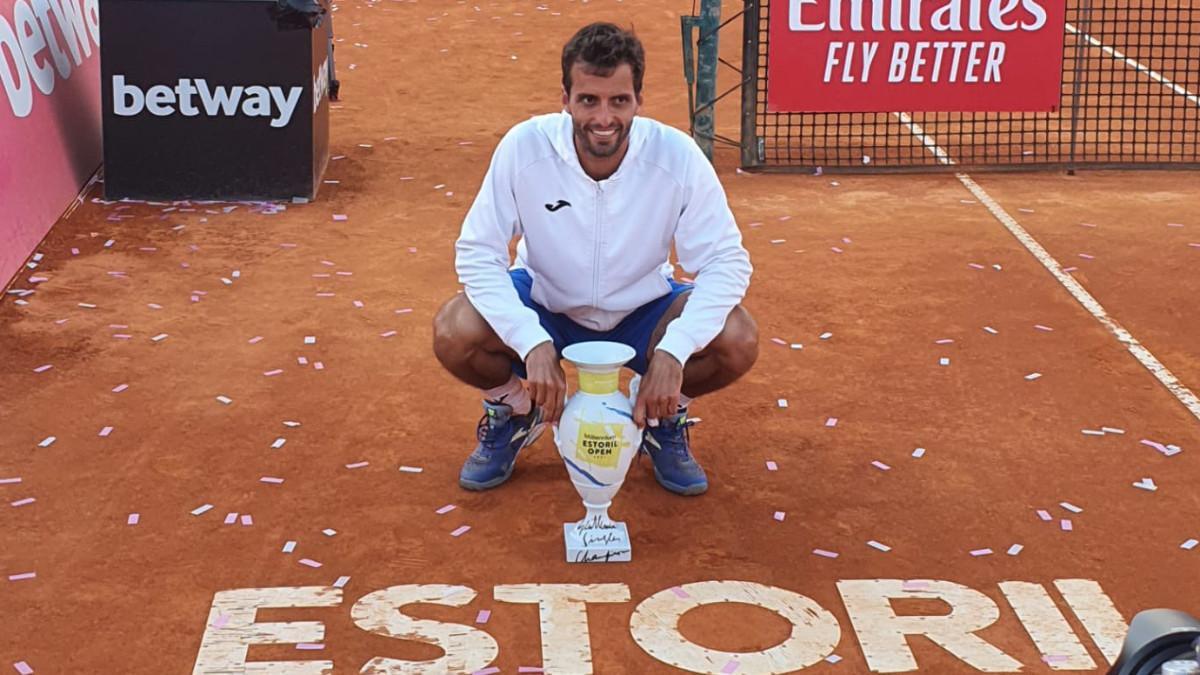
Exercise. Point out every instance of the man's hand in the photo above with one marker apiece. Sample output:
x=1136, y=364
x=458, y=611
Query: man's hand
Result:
x=546, y=380
x=658, y=394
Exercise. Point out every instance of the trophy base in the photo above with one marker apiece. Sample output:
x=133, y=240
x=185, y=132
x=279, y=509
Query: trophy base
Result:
x=597, y=544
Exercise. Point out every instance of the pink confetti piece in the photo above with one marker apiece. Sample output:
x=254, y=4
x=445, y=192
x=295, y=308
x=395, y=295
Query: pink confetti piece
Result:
x=446, y=509
x=310, y=646
x=490, y=670
x=9, y=481
x=405, y=310
x=358, y=304
x=1087, y=225
x=1066, y=525
x=387, y=334
x=914, y=585
x=42, y=369
x=271, y=479
x=133, y=519
x=1087, y=256
x=220, y=621
x=309, y=563
x=231, y=518
x=413, y=249
x=22, y=577
x=302, y=360
x=255, y=340
x=357, y=465
x=247, y=520
x=122, y=336
x=483, y=616
x=325, y=295
x=529, y=669
x=880, y=465
x=339, y=217
x=272, y=373
x=680, y=593
x=1041, y=327
x=779, y=341
x=824, y=554
x=981, y=552
x=976, y=266
x=23, y=502
x=1194, y=244
x=835, y=249
x=23, y=668
x=460, y=531
x=943, y=341
x=772, y=466
x=1044, y=515
x=730, y=667
x=831, y=422
x=317, y=365
x=780, y=515
x=1055, y=658
x=105, y=432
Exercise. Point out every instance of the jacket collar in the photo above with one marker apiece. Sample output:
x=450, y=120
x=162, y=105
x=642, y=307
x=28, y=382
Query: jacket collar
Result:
x=562, y=137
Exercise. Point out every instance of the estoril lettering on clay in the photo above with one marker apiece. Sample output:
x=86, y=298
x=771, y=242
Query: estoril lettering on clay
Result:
x=192, y=97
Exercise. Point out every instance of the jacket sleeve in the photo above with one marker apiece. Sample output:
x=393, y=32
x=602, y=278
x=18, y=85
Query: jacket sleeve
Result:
x=482, y=258
x=709, y=246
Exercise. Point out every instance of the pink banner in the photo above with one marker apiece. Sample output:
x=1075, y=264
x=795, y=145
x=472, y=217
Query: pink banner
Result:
x=49, y=117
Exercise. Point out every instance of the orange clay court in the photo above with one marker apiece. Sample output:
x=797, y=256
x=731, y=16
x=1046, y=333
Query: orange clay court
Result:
x=940, y=480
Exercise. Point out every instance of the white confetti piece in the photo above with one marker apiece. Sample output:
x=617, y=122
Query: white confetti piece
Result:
x=824, y=554
x=1189, y=544
x=782, y=403
x=1066, y=525
x=833, y=658
x=309, y=563
x=310, y=339
x=1112, y=430
x=411, y=469
x=780, y=515
x=826, y=336
x=47, y=441
x=979, y=552
x=23, y=502
x=1070, y=507
x=247, y=520
x=278, y=443
x=918, y=453
x=133, y=519
x=989, y=329
x=199, y=510
x=1033, y=376
x=289, y=546
x=772, y=466
x=1146, y=484
x=105, y=432
x=445, y=509
x=317, y=365
x=119, y=388
x=831, y=422
x=796, y=345
x=290, y=424
x=231, y=518
x=159, y=338
x=357, y=465
x=271, y=479
x=944, y=361
x=341, y=582
x=329, y=532
x=225, y=400
x=460, y=531
x=1015, y=549
x=1044, y=515
x=1092, y=432
x=880, y=465
x=42, y=369
x=878, y=546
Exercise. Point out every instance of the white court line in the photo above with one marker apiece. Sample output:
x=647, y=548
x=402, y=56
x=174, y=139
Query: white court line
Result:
x=1116, y=54
x=1077, y=291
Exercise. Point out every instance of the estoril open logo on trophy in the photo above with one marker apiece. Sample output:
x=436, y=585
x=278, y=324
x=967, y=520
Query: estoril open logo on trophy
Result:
x=597, y=440
x=275, y=103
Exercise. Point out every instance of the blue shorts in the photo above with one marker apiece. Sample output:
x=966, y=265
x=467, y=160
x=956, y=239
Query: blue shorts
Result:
x=634, y=330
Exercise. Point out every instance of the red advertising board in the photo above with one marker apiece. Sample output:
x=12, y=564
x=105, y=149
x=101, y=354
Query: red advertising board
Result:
x=915, y=55
x=49, y=117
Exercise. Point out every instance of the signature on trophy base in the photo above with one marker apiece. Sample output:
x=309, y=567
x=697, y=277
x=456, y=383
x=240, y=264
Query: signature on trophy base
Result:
x=599, y=556
x=591, y=539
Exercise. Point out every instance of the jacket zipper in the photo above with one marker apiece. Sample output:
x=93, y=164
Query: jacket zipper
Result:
x=596, y=254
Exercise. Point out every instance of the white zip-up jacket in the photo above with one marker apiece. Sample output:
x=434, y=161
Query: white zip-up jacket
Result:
x=597, y=250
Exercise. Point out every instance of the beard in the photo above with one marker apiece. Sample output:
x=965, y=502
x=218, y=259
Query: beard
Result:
x=584, y=139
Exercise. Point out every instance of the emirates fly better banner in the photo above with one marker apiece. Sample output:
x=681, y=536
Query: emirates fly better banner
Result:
x=908, y=55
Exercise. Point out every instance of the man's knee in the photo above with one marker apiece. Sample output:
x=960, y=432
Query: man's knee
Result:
x=458, y=330
x=737, y=343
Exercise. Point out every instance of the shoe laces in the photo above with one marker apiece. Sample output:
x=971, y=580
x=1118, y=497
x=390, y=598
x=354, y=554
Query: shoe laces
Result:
x=676, y=436
x=487, y=432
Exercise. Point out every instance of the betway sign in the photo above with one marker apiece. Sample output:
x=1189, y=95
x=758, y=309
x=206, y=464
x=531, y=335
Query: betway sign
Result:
x=915, y=55
x=46, y=41
x=567, y=645
x=160, y=100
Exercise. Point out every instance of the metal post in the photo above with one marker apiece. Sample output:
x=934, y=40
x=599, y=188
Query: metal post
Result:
x=749, y=141
x=706, y=74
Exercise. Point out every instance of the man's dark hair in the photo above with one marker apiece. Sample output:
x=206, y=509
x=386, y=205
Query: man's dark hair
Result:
x=601, y=47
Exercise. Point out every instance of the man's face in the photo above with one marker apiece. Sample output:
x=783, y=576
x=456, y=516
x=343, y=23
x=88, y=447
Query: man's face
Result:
x=602, y=109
